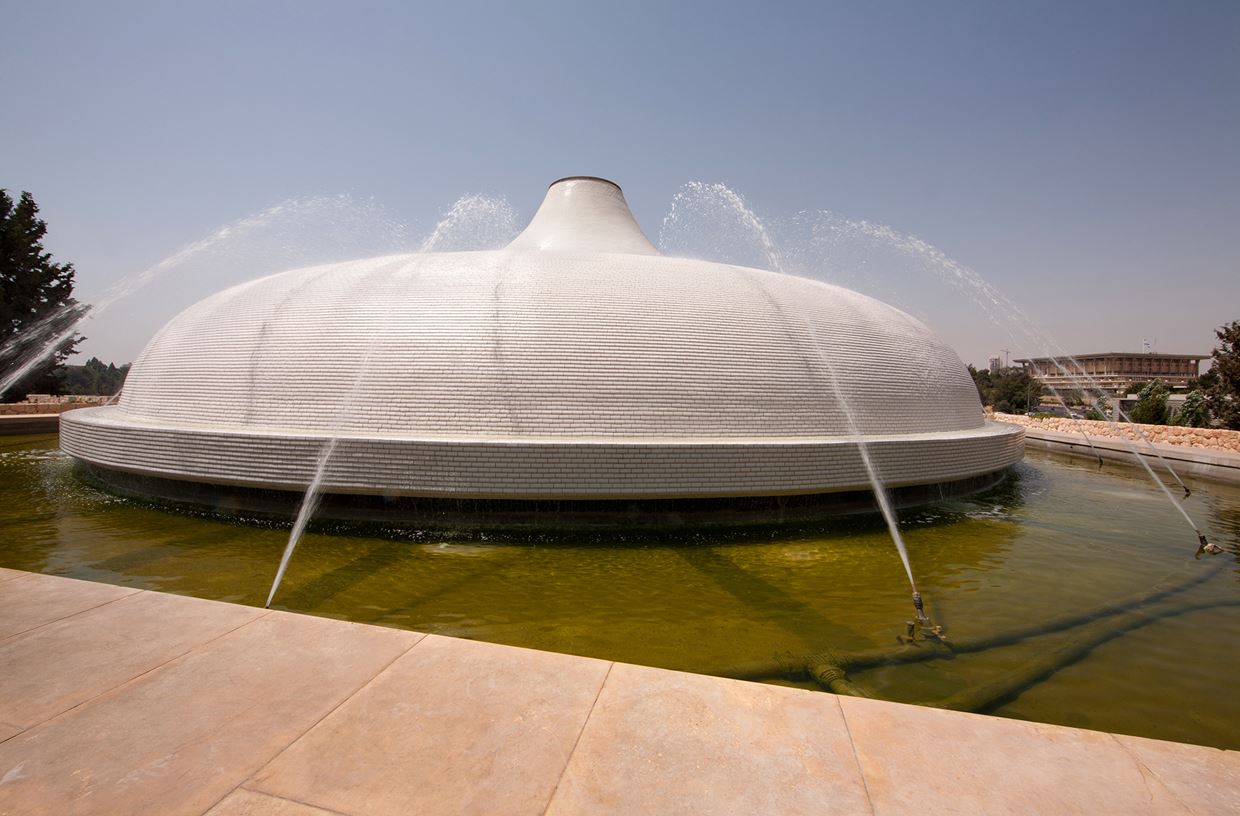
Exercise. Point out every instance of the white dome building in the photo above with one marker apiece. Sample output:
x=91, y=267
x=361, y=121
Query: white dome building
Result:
x=577, y=364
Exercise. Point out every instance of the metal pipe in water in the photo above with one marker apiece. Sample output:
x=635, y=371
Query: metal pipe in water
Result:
x=931, y=650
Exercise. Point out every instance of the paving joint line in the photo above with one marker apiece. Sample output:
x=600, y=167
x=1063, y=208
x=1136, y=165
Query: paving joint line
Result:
x=281, y=798
x=141, y=675
x=1144, y=769
x=15, y=733
x=551, y=800
x=315, y=724
x=129, y=594
x=865, y=783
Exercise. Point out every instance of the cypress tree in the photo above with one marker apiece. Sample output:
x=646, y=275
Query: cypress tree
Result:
x=36, y=298
x=1223, y=396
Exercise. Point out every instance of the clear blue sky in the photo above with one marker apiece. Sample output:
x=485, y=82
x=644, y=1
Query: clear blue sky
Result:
x=1085, y=157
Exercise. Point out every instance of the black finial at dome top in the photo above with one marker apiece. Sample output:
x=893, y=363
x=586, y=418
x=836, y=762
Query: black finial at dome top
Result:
x=585, y=178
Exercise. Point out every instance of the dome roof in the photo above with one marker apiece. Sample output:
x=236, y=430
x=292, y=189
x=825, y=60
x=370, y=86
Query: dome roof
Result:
x=577, y=332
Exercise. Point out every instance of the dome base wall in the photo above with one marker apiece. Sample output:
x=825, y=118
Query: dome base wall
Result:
x=481, y=515
x=534, y=469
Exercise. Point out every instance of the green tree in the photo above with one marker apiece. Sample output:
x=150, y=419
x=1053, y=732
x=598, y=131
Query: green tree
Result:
x=1100, y=411
x=1194, y=413
x=1205, y=382
x=93, y=378
x=36, y=299
x=981, y=380
x=1223, y=397
x=1151, y=407
x=1009, y=390
x=1013, y=391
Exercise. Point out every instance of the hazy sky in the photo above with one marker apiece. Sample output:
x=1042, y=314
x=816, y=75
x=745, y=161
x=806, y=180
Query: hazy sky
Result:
x=1083, y=157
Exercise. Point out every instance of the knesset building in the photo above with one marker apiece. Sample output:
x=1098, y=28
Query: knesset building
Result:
x=576, y=374
x=1115, y=371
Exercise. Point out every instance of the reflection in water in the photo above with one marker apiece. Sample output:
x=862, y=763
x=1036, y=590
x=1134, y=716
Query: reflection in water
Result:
x=1060, y=537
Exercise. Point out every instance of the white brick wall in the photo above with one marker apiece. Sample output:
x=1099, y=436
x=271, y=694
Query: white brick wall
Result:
x=535, y=468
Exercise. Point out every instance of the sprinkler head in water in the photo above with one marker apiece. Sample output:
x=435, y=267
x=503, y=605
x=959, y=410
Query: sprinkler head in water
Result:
x=923, y=625
x=1206, y=546
x=921, y=612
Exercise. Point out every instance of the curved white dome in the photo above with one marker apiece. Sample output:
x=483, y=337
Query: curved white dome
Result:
x=485, y=374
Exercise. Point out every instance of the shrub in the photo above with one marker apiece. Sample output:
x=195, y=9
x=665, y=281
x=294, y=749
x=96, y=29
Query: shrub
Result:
x=1151, y=408
x=1194, y=413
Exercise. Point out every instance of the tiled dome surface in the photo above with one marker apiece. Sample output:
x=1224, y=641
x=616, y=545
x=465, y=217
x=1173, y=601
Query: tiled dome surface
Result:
x=495, y=373
x=548, y=344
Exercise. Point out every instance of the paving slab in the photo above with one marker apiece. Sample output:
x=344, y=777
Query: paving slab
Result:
x=243, y=802
x=7, y=574
x=665, y=742
x=7, y=731
x=32, y=600
x=178, y=739
x=1205, y=780
x=55, y=667
x=928, y=760
x=454, y=726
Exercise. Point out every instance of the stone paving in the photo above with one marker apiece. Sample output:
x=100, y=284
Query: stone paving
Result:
x=116, y=700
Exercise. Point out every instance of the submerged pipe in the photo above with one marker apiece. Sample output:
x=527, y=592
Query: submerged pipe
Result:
x=934, y=649
x=828, y=675
x=1009, y=685
x=826, y=670
x=930, y=650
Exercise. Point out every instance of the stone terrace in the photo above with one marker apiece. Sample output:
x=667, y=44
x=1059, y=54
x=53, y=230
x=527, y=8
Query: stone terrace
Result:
x=117, y=700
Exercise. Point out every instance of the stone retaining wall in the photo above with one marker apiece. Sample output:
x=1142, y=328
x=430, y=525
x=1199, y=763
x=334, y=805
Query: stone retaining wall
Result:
x=1201, y=438
x=45, y=404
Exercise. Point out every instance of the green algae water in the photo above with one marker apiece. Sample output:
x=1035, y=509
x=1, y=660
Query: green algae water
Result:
x=1060, y=536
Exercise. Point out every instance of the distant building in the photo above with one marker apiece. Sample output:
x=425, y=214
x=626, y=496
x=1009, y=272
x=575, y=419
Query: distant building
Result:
x=1114, y=371
x=995, y=364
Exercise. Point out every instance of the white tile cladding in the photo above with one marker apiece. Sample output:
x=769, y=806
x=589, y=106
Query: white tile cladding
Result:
x=540, y=371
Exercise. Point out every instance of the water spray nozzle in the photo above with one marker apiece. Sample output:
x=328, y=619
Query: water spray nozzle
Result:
x=1206, y=547
x=923, y=625
x=921, y=612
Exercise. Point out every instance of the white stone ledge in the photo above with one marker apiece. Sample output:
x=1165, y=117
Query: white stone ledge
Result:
x=1218, y=466
x=535, y=467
